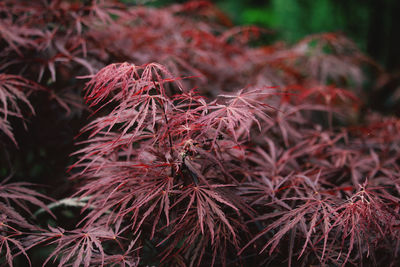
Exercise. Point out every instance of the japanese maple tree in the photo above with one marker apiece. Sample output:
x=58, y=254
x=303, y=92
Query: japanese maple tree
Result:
x=200, y=149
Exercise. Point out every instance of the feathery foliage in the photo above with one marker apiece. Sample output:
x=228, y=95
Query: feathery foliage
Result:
x=201, y=148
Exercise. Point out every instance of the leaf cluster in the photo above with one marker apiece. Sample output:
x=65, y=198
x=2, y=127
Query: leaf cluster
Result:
x=201, y=150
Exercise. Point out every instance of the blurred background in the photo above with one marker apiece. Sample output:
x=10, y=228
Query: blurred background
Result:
x=372, y=24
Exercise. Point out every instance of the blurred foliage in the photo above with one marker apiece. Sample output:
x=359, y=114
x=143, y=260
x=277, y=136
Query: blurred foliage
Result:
x=295, y=19
x=372, y=24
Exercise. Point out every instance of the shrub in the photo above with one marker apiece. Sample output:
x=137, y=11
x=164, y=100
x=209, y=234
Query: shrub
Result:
x=202, y=149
